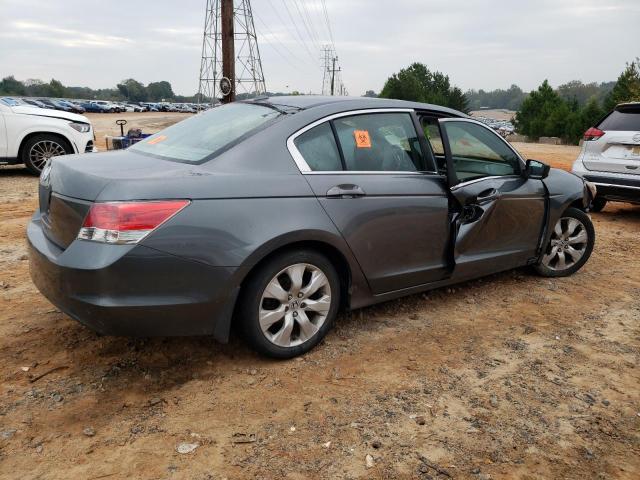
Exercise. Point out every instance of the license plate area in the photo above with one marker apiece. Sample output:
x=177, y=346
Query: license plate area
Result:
x=635, y=151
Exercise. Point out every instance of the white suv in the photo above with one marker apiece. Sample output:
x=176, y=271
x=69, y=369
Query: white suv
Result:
x=32, y=135
x=610, y=156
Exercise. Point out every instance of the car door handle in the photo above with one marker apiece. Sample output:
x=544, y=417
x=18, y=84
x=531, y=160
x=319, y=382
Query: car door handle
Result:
x=488, y=195
x=346, y=190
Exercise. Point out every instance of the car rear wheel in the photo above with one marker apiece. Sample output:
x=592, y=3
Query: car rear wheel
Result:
x=290, y=303
x=598, y=204
x=40, y=148
x=570, y=245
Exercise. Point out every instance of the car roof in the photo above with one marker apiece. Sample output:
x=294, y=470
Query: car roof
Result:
x=305, y=102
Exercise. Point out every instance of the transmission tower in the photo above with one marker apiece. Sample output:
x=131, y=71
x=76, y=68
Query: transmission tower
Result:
x=331, y=72
x=230, y=50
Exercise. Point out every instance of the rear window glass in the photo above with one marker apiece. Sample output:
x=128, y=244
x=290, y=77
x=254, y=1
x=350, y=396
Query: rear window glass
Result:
x=200, y=137
x=622, y=121
x=319, y=150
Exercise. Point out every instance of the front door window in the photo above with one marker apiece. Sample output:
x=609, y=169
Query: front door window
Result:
x=477, y=152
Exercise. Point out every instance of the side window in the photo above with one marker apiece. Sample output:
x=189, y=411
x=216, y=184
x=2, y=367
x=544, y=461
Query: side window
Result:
x=380, y=142
x=432, y=133
x=319, y=150
x=478, y=152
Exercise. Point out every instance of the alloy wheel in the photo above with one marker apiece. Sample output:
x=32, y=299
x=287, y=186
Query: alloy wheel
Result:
x=568, y=244
x=42, y=151
x=295, y=305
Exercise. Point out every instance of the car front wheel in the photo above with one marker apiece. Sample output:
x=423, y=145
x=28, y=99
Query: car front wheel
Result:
x=570, y=245
x=290, y=303
x=40, y=148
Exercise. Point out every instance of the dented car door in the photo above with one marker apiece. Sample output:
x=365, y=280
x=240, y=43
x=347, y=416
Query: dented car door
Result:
x=498, y=212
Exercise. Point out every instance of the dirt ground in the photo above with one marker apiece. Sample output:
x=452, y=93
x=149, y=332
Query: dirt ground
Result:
x=511, y=376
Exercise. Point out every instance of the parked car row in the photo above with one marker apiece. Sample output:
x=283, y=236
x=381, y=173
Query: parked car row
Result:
x=106, y=106
x=503, y=127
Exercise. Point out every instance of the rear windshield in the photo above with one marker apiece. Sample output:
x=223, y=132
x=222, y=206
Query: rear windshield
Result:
x=200, y=137
x=628, y=121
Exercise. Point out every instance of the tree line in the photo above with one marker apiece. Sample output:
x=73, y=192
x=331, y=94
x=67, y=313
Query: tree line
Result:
x=128, y=90
x=565, y=112
x=551, y=113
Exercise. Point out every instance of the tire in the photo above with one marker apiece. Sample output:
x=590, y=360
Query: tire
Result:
x=598, y=204
x=39, y=148
x=570, y=245
x=292, y=314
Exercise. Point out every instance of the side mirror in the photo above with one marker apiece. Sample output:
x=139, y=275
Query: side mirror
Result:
x=537, y=170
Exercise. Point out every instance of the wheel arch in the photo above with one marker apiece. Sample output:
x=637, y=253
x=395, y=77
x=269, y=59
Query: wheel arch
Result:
x=326, y=248
x=30, y=135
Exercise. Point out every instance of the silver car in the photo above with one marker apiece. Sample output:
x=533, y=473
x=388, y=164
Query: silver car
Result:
x=610, y=156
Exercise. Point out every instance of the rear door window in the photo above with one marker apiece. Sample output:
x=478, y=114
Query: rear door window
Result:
x=385, y=142
x=625, y=121
x=318, y=148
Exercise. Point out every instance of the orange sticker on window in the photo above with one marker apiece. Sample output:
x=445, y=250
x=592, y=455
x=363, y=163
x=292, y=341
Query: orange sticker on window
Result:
x=362, y=138
x=158, y=139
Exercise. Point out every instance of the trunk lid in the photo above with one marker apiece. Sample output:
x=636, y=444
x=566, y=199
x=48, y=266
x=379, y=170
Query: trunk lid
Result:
x=615, y=152
x=72, y=183
x=618, y=150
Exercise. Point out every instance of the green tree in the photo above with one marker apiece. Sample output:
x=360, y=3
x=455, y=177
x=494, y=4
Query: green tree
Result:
x=417, y=83
x=627, y=88
x=510, y=99
x=10, y=86
x=132, y=90
x=56, y=89
x=157, y=91
x=576, y=90
x=591, y=113
x=533, y=118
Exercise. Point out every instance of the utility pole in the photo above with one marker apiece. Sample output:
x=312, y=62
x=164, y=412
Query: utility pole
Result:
x=333, y=75
x=228, y=47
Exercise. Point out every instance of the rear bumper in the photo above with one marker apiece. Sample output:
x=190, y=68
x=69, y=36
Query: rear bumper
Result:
x=132, y=290
x=612, y=186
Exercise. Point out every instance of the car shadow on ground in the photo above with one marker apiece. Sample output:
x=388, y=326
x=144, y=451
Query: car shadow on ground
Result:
x=619, y=212
x=15, y=171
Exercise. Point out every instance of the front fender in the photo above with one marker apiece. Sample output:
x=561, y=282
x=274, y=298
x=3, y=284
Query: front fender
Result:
x=564, y=189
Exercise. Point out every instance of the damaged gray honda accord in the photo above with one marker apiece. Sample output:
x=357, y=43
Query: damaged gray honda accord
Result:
x=275, y=214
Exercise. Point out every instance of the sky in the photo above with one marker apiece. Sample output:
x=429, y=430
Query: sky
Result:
x=484, y=44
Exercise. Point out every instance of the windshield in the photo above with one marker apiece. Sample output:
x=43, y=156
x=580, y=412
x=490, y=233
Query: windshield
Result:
x=199, y=137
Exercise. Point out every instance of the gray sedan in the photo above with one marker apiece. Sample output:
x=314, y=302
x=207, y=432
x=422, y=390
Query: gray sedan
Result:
x=275, y=214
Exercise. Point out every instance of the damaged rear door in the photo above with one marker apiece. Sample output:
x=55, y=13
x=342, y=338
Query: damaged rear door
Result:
x=498, y=213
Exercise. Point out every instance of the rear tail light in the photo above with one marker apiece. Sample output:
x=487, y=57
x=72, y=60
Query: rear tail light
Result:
x=593, y=134
x=127, y=222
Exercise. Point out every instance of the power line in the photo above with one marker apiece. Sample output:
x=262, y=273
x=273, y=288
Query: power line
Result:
x=278, y=42
x=295, y=24
x=308, y=28
x=297, y=40
x=328, y=23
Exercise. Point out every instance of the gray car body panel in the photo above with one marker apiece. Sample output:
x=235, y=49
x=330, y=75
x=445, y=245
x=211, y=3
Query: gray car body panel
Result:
x=251, y=201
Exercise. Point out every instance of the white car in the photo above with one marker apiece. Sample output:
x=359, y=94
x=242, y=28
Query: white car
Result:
x=33, y=135
x=610, y=156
